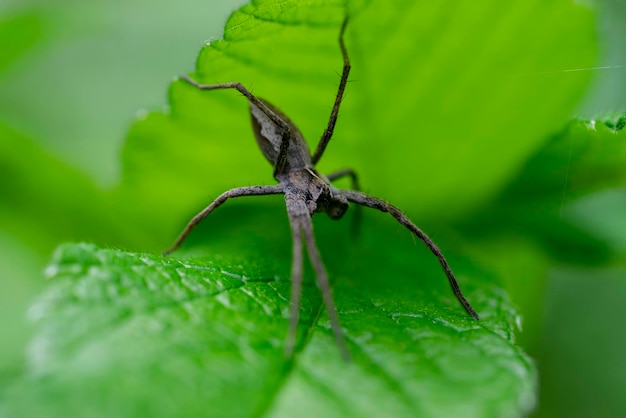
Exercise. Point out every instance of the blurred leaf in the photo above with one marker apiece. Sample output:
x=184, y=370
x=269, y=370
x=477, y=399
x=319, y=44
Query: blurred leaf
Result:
x=44, y=201
x=584, y=158
x=582, y=321
x=52, y=125
x=447, y=101
x=563, y=206
x=601, y=215
x=608, y=91
x=17, y=34
x=19, y=285
x=96, y=64
x=129, y=334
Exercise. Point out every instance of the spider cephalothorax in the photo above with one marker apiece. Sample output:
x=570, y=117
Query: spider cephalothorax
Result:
x=307, y=192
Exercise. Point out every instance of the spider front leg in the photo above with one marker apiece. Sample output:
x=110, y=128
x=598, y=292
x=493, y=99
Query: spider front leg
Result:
x=237, y=192
x=346, y=172
x=296, y=282
x=300, y=221
x=358, y=211
x=383, y=206
x=330, y=128
x=281, y=159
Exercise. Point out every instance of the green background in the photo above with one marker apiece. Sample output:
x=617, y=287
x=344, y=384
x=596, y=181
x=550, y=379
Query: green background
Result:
x=538, y=201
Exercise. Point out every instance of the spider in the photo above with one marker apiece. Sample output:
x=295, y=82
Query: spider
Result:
x=307, y=192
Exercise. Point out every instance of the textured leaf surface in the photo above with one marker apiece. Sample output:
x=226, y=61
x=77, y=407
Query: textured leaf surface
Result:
x=130, y=334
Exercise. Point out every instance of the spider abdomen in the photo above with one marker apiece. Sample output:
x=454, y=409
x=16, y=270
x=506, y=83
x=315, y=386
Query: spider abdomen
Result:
x=269, y=137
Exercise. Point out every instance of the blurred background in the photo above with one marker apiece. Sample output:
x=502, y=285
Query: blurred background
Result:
x=73, y=77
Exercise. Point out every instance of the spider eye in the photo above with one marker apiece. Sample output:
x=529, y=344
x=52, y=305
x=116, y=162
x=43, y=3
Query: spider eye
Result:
x=337, y=208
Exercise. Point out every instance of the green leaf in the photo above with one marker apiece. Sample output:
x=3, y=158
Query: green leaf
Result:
x=565, y=207
x=45, y=201
x=583, y=159
x=18, y=32
x=125, y=334
x=566, y=391
x=446, y=101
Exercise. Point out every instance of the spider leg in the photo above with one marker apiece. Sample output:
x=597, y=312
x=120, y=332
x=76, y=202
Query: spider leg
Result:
x=300, y=220
x=328, y=133
x=358, y=211
x=281, y=159
x=237, y=192
x=296, y=284
x=322, y=280
x=381, y=205
x=343, y=173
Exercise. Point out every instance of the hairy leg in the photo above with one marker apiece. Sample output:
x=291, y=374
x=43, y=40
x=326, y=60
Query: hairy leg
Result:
x=300, y=220
x=322, y=280
x=381, y=205
x=346, y=172
x=328, y=133
x=296, y=285
x=237, y=192
x=281, y=159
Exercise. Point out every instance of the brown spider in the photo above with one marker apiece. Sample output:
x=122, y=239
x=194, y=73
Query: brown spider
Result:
x=306, y=192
